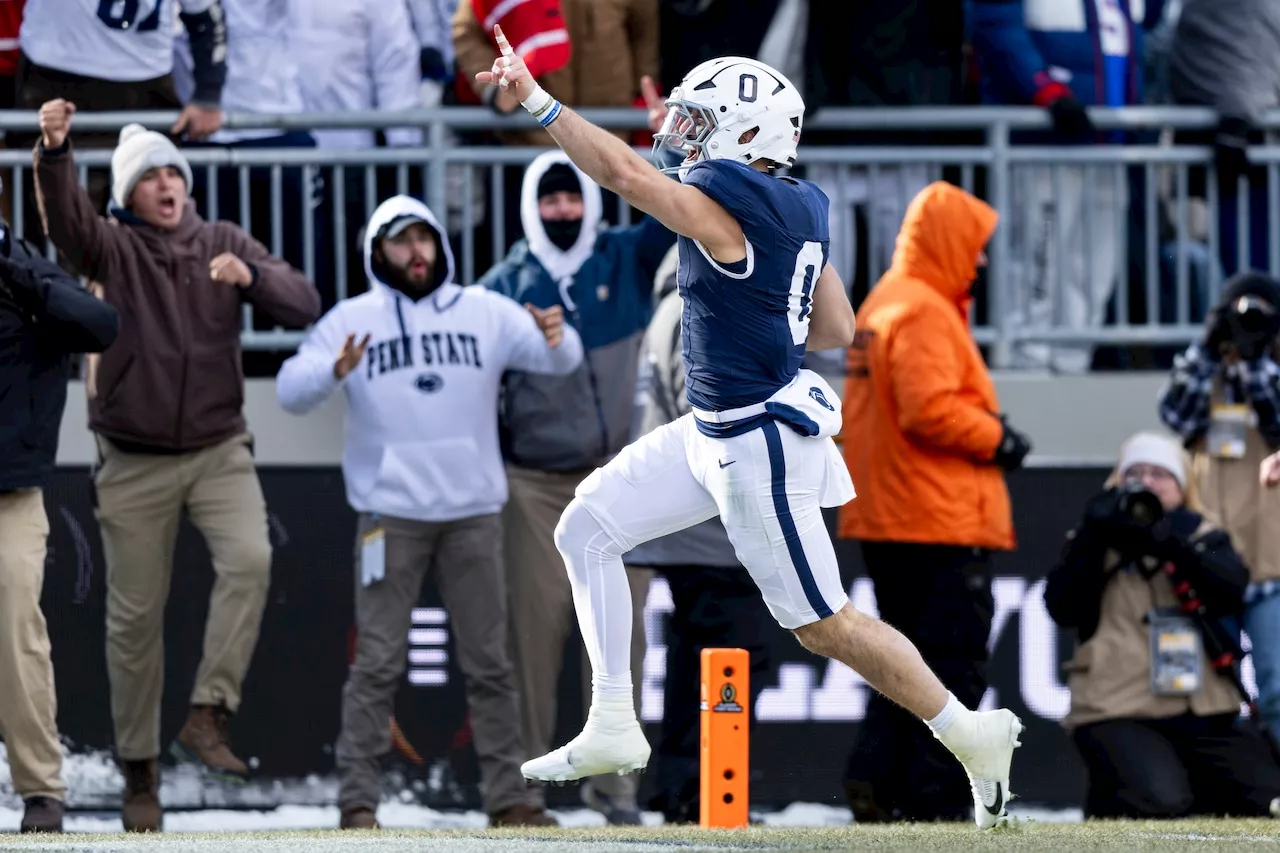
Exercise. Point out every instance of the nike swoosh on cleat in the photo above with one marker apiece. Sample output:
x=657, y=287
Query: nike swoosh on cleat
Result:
x=727, y=464
x=995, y=810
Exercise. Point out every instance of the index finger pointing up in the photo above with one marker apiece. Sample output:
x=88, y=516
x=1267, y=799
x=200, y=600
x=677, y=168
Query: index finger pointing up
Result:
x=503, y=45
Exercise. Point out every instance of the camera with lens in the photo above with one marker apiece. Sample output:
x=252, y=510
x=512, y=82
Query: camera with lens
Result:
x=1127, y=517
x=1137, y=506
x=1253, y=323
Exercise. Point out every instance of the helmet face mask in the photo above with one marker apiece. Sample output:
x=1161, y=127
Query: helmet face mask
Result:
x=686, y=129
x=718, y=105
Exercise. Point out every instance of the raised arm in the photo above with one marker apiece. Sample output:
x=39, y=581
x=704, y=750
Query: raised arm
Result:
x=616, y=166
x=273, y=286
x=321, y=364
x=65, y=208
x=538, y=340
x=1184, y=401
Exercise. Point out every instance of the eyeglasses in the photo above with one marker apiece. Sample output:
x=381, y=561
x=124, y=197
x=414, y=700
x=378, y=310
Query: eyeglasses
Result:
x=1143, y=471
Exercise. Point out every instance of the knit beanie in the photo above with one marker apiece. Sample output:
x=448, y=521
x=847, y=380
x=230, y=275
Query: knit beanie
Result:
x=1148, y=448
x=559, y=177
x=138, y=151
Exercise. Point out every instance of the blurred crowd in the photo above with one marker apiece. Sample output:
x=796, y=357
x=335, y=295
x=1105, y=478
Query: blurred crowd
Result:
x=1066, y=263
x=474, y=413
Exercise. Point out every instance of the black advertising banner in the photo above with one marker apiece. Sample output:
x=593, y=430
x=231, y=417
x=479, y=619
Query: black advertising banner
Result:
x=807, y=713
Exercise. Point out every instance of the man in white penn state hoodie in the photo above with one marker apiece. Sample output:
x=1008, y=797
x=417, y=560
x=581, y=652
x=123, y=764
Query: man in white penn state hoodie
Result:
x=420, y=360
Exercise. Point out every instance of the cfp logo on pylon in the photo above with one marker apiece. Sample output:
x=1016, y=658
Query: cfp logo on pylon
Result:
x=428, y=655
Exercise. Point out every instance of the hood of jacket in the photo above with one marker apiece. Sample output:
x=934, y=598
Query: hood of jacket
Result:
x=558, y=262
x=392, y=208
x=944, y=230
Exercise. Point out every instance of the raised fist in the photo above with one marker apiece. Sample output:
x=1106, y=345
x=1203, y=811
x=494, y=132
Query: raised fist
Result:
x=550, y=321
x=55, y=122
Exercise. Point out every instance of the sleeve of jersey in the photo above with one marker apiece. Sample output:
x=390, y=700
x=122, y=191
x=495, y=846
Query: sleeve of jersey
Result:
x=527, y=348
x=306, y=379
x=741, y=191
x=926, y=387
x=207, y=33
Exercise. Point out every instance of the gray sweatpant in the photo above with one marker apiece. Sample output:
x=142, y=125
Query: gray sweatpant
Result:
x=464, y=558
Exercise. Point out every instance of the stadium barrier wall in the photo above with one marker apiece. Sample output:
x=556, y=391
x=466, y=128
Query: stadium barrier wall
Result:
x=808, y=712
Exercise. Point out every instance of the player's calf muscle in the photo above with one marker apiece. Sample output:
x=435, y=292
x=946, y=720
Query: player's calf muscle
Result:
x=829, y=636
x=880, y=654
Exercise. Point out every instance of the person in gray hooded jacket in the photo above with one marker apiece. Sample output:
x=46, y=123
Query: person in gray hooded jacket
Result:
x=558, y=429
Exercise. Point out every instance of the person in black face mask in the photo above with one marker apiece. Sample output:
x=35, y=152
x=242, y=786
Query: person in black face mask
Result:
x=560, y=205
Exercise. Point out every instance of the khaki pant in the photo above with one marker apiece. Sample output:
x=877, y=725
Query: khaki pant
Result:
x=542, y=613
x=140, y=502
x=464, y=559
x=28, y=703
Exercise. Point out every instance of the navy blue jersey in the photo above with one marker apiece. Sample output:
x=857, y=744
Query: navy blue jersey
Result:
x=745, y=325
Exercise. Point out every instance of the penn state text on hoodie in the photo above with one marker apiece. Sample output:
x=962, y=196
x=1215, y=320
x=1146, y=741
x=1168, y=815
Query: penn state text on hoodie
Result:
x=422, y=406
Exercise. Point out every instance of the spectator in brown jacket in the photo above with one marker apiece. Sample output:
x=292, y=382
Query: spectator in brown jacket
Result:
x=170, y=431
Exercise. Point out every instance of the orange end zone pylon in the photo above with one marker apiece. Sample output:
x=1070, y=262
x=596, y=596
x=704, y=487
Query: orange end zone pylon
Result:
x=725, y=737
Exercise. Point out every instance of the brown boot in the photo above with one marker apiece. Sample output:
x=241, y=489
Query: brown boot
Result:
x=358, y=817
x=522, y=815
x=141, y=810
x=205, y=739
x=42, y=814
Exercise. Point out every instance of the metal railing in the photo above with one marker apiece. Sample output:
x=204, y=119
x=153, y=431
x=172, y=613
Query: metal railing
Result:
x=1063, y=258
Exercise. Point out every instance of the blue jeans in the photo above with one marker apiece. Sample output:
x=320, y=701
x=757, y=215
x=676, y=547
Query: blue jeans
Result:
x=1199, y=270
x=1262, y=621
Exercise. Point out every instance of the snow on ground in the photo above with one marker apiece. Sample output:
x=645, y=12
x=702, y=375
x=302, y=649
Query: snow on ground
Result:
x=404, y=816
x=195, y=805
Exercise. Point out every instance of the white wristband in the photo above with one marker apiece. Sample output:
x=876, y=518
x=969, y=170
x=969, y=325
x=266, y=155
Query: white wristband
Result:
x=538, y=102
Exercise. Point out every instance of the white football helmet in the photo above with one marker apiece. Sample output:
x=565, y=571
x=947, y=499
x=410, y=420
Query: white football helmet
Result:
x=722, y=99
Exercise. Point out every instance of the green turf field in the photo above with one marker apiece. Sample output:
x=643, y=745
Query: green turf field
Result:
x=1164, y=835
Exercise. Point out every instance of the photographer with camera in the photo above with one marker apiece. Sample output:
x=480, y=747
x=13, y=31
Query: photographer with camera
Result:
x=1147, y=582
x=1224, y=400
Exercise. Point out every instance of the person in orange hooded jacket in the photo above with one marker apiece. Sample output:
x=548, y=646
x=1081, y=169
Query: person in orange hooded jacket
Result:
x=928, y=451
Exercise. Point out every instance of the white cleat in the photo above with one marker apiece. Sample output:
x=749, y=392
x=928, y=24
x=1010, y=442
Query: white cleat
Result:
x=605, y=746
x=985, y=746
